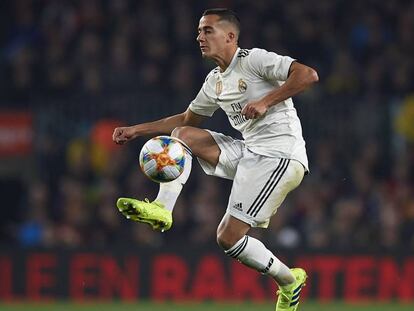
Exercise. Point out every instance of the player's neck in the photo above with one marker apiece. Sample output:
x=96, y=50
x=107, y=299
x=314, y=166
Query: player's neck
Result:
x=224, y=60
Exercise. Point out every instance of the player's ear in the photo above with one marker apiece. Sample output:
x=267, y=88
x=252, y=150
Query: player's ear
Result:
x=230, y=37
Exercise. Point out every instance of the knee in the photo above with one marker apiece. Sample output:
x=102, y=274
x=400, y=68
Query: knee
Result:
x=223, y=242
x=226, y=240
x=183, y=133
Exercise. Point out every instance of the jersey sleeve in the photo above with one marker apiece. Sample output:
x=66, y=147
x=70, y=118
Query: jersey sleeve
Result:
x=269, y=65
x=204, y=104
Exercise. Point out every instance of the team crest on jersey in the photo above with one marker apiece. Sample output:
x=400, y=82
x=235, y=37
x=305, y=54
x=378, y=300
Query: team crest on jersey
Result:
x=219, y=87
x=242, y=86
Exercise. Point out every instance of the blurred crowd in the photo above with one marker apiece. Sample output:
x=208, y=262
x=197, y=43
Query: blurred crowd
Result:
x=83, y=67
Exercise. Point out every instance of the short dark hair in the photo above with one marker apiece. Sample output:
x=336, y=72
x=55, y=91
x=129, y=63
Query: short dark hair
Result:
x=225, y=14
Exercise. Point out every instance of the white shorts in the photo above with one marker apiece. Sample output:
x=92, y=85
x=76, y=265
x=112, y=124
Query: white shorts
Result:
x=260, y=183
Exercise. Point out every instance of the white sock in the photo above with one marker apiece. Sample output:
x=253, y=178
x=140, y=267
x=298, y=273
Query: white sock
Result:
x=252, y=253
x=169, y=191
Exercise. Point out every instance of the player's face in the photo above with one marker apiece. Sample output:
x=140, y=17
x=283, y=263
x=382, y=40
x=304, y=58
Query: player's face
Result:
x=212, y=36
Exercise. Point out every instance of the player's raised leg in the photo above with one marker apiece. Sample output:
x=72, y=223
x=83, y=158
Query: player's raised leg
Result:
x=158, y=213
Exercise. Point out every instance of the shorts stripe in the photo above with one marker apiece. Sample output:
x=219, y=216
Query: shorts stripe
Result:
x=274, y=184
x=268, y=188
x=265, y=186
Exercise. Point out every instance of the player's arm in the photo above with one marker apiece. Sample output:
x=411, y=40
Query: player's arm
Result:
x=122, y=135
x=299, y=78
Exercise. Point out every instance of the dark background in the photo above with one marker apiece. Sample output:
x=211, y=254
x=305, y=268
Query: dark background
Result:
x=70, y=71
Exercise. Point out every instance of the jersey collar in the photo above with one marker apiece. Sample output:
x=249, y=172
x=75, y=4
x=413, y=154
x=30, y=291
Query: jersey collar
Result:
x=232, y=63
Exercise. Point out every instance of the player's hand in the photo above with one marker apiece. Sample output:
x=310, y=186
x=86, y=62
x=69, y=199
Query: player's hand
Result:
x=123, y=134
x=255, y=109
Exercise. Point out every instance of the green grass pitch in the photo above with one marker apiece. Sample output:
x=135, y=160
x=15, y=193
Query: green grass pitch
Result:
x=147, y=306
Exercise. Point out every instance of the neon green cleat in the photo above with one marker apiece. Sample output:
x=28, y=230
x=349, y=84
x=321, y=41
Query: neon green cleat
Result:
x=288, y=299
x=152, y=213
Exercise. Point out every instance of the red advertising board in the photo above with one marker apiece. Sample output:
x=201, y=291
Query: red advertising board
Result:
x=200, y=276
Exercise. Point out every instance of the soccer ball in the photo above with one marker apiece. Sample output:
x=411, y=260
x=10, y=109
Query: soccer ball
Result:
x=162, y=159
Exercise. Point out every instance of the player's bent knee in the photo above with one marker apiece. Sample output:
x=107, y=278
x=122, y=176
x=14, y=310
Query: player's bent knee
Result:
x=226, y=240
x=230, y=231
x=223, y=243
x=183, y=133
x=177, y=132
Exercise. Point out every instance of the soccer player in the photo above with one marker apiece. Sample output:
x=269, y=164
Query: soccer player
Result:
x=254, y=87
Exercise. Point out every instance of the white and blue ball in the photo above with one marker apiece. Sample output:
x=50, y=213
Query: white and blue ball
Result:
x=162, y=159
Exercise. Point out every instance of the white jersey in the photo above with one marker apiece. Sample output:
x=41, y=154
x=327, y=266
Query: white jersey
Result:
x=251, y=75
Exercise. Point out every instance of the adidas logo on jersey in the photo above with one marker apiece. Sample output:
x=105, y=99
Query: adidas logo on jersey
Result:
x=238, y=206
x=243, y=53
